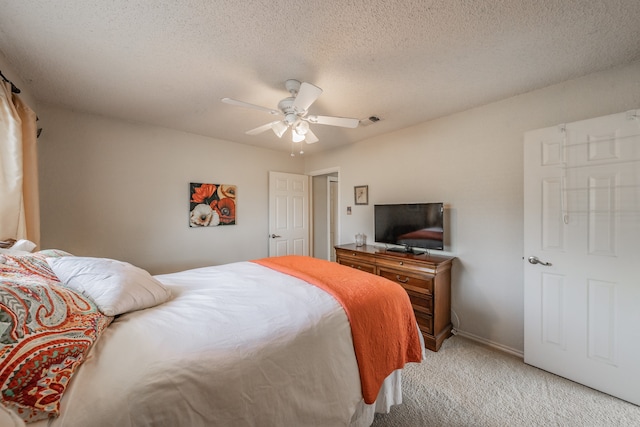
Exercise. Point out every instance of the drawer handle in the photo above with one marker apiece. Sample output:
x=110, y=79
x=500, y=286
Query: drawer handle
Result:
x=358, y=267
x=406, y=279
x=401, y=262
x=353, y=254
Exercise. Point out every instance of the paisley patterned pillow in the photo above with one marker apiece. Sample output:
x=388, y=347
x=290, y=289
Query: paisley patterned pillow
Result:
x=46, y=331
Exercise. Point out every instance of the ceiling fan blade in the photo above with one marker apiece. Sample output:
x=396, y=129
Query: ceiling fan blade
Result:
x=344, y=122
x=237, y=103
x=306, y=96
x=261, y=129
x=310, y=137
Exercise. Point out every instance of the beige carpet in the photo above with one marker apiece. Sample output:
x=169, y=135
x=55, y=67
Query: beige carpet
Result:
x=469, y=384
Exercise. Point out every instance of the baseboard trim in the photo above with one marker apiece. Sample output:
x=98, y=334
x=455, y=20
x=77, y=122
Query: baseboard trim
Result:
x=491, y=344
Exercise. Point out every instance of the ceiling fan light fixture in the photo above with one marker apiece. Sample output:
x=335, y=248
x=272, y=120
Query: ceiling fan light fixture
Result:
x=296, y=137
x=279, y=128
x=301, y=127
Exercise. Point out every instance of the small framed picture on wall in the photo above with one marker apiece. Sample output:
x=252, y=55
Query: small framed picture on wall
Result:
x=361, y=194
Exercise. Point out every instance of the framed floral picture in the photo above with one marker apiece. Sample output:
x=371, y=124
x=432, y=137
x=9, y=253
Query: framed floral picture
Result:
x=361, y=194
x=211, y=205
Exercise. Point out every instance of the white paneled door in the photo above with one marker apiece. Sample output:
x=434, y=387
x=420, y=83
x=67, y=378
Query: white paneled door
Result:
x=288, y=214
x=582, y=252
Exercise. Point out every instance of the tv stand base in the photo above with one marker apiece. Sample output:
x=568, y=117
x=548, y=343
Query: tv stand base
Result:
x=402, y=250
x=405, y=250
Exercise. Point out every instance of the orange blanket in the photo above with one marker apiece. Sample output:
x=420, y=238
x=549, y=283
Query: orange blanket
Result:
x=383, y=326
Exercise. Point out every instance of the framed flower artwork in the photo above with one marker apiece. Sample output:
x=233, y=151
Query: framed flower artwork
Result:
x=361, y=194
x=211, y=205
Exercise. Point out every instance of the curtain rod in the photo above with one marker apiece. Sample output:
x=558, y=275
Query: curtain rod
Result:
x=14, y=89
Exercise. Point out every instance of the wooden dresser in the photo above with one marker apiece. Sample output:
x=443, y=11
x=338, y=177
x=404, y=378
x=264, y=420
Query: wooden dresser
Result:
x=426, y=278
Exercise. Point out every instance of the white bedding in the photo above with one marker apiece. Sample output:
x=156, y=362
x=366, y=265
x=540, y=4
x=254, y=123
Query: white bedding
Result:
x=237, y=345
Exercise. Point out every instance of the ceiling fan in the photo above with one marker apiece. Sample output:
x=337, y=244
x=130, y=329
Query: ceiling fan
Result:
x=294, y=112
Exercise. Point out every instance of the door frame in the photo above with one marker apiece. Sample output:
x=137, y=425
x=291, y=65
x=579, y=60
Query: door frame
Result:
x=319, y=172
x=332, y=225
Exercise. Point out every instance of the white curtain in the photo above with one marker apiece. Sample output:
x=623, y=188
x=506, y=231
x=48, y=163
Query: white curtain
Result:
x=19, y=207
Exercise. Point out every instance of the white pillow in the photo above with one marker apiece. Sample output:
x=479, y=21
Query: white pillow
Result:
x=24, y=245
x=116, y=287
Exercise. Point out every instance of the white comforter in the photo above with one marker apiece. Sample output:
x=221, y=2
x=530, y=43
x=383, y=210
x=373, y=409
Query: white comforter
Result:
x=237, y=345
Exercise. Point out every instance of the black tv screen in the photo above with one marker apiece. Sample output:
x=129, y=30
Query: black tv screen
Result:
x=412, y=225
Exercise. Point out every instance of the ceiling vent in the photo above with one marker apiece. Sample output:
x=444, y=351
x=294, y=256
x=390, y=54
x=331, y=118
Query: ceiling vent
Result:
x=369, y=120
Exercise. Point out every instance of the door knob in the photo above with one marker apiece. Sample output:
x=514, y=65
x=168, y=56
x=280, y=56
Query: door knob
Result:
x=274, y=236
x=535, y=260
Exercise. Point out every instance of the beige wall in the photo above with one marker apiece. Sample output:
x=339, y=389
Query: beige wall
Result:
x=472, y=161
x=115, y=189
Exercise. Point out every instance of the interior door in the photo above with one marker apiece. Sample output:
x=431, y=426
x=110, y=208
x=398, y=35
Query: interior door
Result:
x=288, y=214
x=582, y=252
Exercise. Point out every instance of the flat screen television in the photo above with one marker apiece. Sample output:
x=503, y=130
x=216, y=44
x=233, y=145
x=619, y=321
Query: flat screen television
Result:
x=410, y=225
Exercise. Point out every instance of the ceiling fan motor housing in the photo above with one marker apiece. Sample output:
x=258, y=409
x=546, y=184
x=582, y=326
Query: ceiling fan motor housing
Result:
x=286, y=106
x=290, y=114
x=293, y=86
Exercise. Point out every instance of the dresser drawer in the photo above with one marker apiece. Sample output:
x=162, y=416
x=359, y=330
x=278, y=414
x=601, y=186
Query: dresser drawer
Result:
x=421, y=302
x=406, y=265
x=415, y=282
x=369, y=268
x=425, y=323
x=356, y=255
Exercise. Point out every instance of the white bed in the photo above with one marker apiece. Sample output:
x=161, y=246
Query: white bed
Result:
x=236, y=345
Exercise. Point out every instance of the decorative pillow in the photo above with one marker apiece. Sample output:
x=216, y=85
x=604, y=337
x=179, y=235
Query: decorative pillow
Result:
x=34, y=262
x=116, y=287
x=46, y=331
x=11, y=251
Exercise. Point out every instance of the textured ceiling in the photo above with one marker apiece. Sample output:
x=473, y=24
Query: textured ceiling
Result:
x=169, y=62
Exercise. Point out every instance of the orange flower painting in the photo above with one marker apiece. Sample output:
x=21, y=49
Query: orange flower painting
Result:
x=211, y=205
